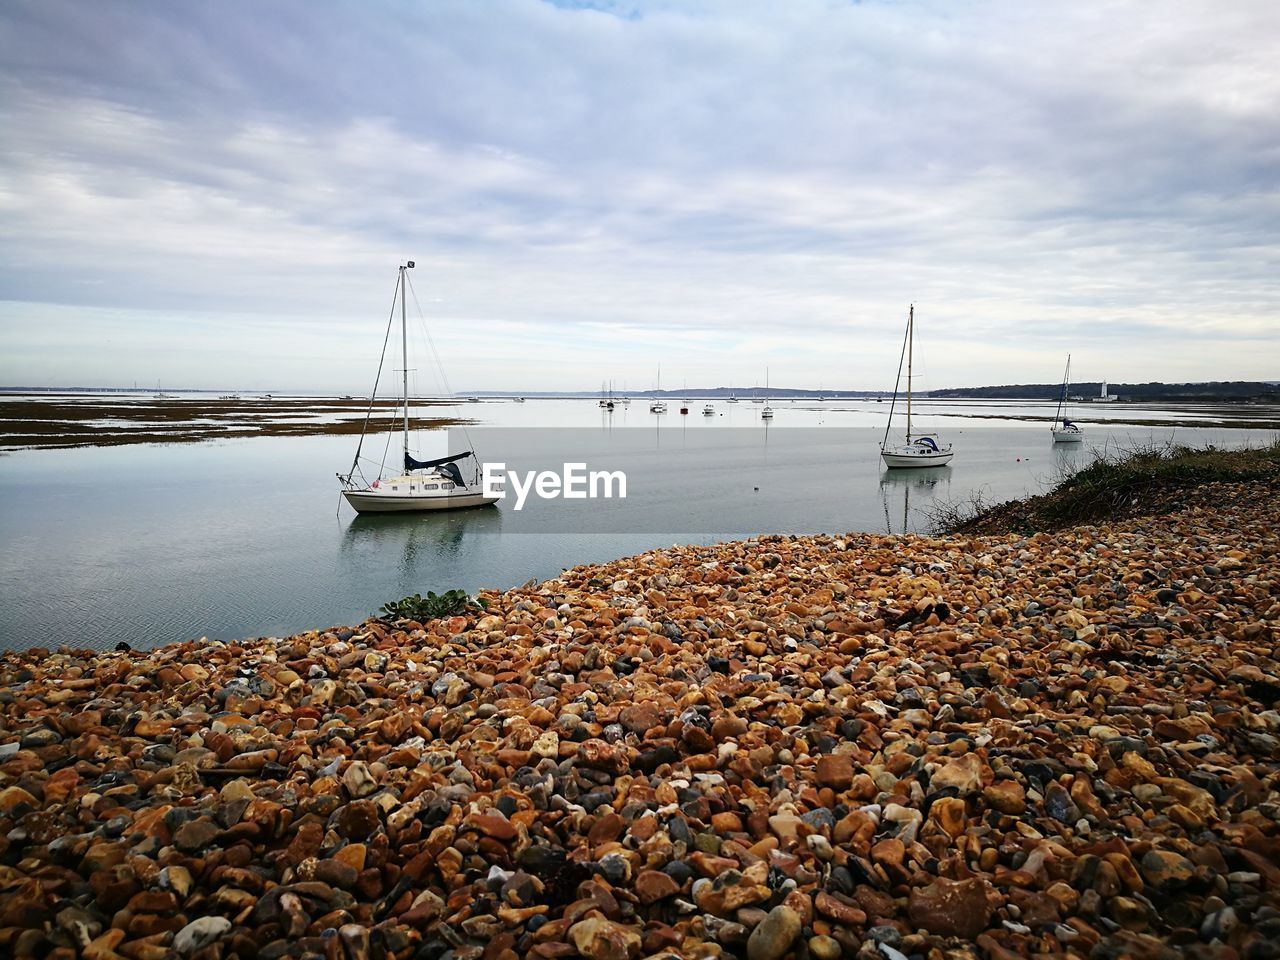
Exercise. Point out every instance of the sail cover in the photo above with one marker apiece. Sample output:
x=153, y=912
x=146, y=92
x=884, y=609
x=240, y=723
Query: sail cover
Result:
x=447, y=465
x=927, y=442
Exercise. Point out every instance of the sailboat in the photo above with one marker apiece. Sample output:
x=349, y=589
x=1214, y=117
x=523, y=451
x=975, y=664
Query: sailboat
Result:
x=767, y=412
x=658, y=406
x=918, y=449
x=1063, y=430
x=425, y=484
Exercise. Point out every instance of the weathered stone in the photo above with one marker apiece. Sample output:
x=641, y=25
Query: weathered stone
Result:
x=773, y=936
x=200, y=933
x=951, y=908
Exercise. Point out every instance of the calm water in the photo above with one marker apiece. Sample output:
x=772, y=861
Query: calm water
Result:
x=150, y=544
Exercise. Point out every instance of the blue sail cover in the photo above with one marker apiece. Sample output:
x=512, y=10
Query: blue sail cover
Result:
x=447, y=465
x=928, y=442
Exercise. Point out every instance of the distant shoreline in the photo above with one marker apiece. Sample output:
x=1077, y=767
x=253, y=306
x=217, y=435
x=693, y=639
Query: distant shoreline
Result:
x=46, y=421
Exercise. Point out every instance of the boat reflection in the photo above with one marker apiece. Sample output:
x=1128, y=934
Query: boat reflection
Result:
x=896, y=489
x=417, y=539
x=1070, y=457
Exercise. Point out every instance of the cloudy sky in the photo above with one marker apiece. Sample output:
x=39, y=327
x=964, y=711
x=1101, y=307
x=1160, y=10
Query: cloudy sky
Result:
x=218, y=194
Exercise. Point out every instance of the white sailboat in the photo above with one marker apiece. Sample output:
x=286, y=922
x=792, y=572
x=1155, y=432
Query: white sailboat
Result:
x=917, y=449
x=708, y=410
x=658, y=406
x=767, y=412
x=1063, y=430
x=424, y=485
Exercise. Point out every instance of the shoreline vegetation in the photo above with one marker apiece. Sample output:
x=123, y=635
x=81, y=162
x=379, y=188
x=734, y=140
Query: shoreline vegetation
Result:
x=64, y=422
x=1121, y=482
x=995, y=744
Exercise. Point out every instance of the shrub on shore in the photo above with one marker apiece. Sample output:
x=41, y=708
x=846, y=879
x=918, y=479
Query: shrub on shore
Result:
x=431, y=607
x=1120, y=480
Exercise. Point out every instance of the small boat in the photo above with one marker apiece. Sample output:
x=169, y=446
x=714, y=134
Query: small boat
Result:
x=425, y=484
x=708, y=411
x=518, y=400
x=1064, y=430
x=918, y=449
x=767, y=412
x=658, y=406
x=732, y=398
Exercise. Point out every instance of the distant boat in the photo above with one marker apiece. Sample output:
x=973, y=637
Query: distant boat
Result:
x=732, y=398
x=767, y=412
x=708, y=411
x=425, y=484
x=658, y=406
x=920, y=449
x=518, y=400
x=1063, y=430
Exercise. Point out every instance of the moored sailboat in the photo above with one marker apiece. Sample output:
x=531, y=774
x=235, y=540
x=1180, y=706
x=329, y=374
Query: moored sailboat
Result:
x=917, y=449
x=1064, y=430
x=425, y=484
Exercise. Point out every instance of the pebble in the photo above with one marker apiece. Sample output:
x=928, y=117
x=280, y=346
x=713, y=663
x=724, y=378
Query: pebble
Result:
x=877, y=745
x=773, y=936
x=200, y=933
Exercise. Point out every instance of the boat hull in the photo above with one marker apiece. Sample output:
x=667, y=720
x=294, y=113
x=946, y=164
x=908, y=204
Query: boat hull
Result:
x=1068, y=436
x=370, y=501
x=897, y=460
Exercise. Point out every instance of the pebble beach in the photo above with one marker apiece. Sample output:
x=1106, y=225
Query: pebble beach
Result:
x=1060, y=744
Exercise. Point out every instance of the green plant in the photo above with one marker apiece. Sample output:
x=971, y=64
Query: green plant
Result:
x=1120, y=479
x=433, y=606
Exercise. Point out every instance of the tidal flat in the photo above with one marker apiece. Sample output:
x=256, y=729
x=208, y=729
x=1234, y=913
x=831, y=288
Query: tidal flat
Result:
x=37, y=421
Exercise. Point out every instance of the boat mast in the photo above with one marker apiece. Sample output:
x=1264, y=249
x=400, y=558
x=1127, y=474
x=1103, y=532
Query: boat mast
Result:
x=1062, y=400
x=911, y=322
x=404, y=350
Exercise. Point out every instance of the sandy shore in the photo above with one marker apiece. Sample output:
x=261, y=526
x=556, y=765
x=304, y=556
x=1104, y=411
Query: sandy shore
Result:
x=1062, y=744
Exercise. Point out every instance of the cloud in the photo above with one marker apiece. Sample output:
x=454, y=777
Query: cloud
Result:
x=590, y=189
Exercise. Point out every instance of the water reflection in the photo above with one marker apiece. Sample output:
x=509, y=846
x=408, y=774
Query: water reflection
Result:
x=897, y=487
x=1070, y=457
x=414, y=537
